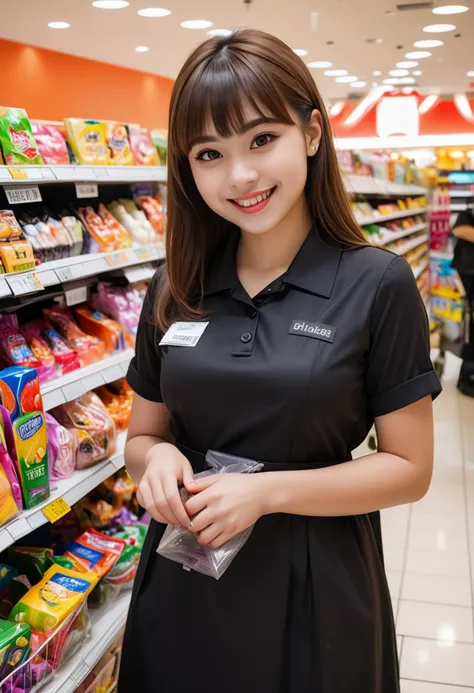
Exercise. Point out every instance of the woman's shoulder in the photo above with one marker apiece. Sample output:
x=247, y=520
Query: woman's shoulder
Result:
x=375, y=266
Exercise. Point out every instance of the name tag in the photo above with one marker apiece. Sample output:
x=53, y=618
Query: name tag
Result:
x=185, y=334
x=316, y=330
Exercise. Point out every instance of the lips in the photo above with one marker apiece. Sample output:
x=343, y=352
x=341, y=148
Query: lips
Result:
x=254, y=202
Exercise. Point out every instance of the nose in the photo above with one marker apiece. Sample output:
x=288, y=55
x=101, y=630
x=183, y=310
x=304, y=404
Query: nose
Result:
x=242, y=175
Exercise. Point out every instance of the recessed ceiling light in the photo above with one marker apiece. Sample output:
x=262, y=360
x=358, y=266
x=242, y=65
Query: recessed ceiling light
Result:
x=219, y=33
x=346, y=79
x=417, y=55
x=111, y=4
x=398, y=73
x=438, y=28
x=377, y=73
x=450, y=9
x=392, y=80
x=407, y=63
x=417, y=73
x=142, y=49
x=336, y=73
x=407, y=80
x=154, y=12
x=470, y=73
x=300, y=51
x=319, y=64
x=428, y=43
x=196, y=24
x=59, y=25
x=358, y=85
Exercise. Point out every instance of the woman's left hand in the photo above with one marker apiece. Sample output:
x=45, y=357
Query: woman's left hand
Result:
x=223, y=505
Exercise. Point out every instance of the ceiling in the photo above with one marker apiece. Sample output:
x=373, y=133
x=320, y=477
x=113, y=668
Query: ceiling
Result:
x=332, y=30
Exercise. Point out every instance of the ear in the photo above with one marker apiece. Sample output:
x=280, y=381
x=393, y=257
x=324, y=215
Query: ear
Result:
x=313, y=133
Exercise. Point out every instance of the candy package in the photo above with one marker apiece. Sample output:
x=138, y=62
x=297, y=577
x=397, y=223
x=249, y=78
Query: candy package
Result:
x=96, y=323
x=14, y=351
x=95, y=429
x=66, y=358
x=87, y=141
x=180, y=545
x=143, y=149
x=118, y=143
x=119, y=405
x=120, y=303
x=16, y=138
x=102, y=234
x=134, y=221
x=89, y=348
x=10, y=229
x=94, y=552
x=14, y=646
x=47, y=364
x=154, y=212
x=122, y=237
x=10, y=489
x=50, y=142
x=62, y=448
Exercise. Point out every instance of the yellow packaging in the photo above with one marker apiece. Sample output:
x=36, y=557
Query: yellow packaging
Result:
x=120, y=153
x=49, y=603
x=17, y=256
x=87, y=141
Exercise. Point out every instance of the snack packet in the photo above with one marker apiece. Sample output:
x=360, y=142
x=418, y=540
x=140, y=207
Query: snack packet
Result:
x=94, y=552
x=62, y=448
x=66, y=358
x=90, y=349
x=180, y=545
x=97, y=324
x=10, y=229
x=87, y=141
x=16, y=138
x=13, y=347
x=143, y=149
x=118, y=143
x=47, y=364
x=50, y=142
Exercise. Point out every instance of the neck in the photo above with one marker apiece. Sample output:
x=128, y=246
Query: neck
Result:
x=274, y=250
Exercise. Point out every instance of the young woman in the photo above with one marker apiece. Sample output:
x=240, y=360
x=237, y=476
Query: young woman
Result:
x=302, y=335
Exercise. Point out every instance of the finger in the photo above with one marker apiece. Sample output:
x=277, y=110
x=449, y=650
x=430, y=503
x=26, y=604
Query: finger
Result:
x=209, y=534
x=201, y=521
x=188, y=475
x=197, y=503
x=175, y=503
x=198, y=485
x=161, y=504
x=220, y=541
x=145, y=499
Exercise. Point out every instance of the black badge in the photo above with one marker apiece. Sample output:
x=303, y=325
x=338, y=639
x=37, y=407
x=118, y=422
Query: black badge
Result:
x=316, y=330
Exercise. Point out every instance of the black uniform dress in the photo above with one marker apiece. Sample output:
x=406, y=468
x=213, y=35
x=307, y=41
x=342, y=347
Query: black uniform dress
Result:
x=293, y=378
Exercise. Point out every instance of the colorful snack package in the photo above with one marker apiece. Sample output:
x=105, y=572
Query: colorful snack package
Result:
x=49, y=603
x=160, y=140
x=143, y=149
x=102, y=234
x=50, y=142
x=120, y=303
x=10, y=229
x=96, y=431
x=16, y=138
x=17, y=256
x=118, y=406
x=96, y=323
x=154, y=212
x=124, y=571
x=66, y=358
x=135, y=228
x=39, y=235
x=87, y=141
x=47, y=363
x=13, y=347
x=10, y=490
x=31, y=561
x=62, y=448
x=122, y=237
x=94, y=552
x=77, y=234
x=14, y=646
x=69, y=639
x=140, y=216
x=90, y=349
x=120, y=153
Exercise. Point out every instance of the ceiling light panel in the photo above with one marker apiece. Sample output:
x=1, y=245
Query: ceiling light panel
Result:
x=407, y=63
x=398, y=73
x=196, y=24
x=438, y=28
x=110, y=4
x=154, y=12
x=428, y=43
x=346, y=79
x=336, y=73
x=59, y=25
x=418, y=55
x=300, y=51
x=450, y=9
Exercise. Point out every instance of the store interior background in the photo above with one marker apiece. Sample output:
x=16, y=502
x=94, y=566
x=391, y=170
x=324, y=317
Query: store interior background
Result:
x=402, y=113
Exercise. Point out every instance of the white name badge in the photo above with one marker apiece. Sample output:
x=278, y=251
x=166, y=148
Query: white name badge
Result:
x=185, y=334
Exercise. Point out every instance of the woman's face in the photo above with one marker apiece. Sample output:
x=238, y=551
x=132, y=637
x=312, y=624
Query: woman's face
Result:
x=255, y=179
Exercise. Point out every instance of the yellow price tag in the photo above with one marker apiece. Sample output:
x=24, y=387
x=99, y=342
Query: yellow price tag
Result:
x=19, y=173
x=56, y=510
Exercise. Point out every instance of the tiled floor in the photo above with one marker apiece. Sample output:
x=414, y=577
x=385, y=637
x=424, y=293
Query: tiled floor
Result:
x=429, y=548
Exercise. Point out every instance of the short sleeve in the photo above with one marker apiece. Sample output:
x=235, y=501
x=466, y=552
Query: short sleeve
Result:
x=399, y=370
x=144, y=371
x=465, y=218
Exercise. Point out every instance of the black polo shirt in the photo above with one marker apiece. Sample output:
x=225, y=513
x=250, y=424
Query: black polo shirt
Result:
x=298, y=373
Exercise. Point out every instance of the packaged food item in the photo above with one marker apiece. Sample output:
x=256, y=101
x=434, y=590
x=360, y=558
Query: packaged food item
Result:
x=17, y=256
x=120, y=303
x=70, y=638
x=80, y=243
x=87, y=141
x=102, y=234
x=14, y=646
x=89, y=348
x=140, y=235
x=47, y=364
x=118, y=143
x=96, y=431
x=62, y=448
x=160, y=140
x=94, y=552
x=10, y=229
x=96, y=323
x=143, y=149
x=66, y=358
x=20, y=392
x=13, y=347
x=140, y=216
x=40, y=236
x=50, y=142
x=49, y=603
x=10, y=490
x=121, y=235
x=154, y=212
x=16, y=138
x=59, y=232
x=119, y=406
x=124, y=571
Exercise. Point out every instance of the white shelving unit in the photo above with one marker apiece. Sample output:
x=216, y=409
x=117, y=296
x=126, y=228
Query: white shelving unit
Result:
x=420, y=269
x=366, y=185
x=13, y=175
x=461, y=193
x=377, y=218
x=396, y=235
x=406, y=247
x=458, y=206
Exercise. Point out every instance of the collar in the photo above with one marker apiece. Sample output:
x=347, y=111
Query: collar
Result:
x=313, y=269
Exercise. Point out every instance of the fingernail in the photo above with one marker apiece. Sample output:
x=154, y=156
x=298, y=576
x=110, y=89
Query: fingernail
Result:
x=191, y=526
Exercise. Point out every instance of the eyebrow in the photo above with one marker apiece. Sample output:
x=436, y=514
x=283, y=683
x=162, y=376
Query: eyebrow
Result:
x=250, y=125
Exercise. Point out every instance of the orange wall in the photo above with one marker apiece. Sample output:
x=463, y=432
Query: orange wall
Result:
x=54, y=86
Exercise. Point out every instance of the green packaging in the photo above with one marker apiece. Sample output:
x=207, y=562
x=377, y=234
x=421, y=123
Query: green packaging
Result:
x=14, y=646
x=16, y=138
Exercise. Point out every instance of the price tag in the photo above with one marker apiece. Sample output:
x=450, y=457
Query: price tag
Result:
x=27, y=193
x=77, y=295
x=4, y=289
x=86, y=190
x=142, y=253
x=25, y=284
x=19, y=173
x=64, y=274
x=56, y=510
x=80, y=673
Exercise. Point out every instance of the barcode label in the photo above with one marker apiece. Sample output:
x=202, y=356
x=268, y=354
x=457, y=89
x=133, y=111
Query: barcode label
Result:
x=186, y=334
x=27, y=193
x=191, y=339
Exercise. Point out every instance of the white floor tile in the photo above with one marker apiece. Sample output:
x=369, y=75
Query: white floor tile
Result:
x=443, y=540
x=394, y=557
x=396, y=517
x=394, y=578
x=437, y=589
x=423, y=687
x=421, y=519
x=394, y=537
x=427, y=660
x=446, y=624
x=436, y=563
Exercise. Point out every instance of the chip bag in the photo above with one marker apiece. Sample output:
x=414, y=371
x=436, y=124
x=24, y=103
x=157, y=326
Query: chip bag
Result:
x=16, y=138
x=90, y=349
x=50, y=142
x=13, y=347
x=118, y=143
x=96, y=323
x=66, y=358
x=143, y=149
x=94, y=552
x=87, y=141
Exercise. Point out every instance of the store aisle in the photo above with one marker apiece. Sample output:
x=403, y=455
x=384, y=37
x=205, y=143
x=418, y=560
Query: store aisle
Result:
x=429, y=548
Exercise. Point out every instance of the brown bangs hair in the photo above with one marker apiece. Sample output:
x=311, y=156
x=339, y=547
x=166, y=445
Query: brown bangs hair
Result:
x=220, y=78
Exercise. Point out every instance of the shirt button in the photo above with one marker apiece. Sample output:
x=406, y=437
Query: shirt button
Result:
x=246, y=337
x=259, y=301
x=253, y=314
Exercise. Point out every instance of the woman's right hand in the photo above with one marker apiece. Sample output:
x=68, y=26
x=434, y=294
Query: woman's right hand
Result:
x=158, y=491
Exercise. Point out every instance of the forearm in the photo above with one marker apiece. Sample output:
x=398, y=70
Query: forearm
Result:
x=376, y=481
x=466, y=233
x=136, y=451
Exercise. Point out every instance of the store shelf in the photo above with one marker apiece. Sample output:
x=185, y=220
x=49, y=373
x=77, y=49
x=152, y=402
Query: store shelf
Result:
x=458, y=207
x=461, y=193
x=396, y=235
x=441, y=255
x=420, y=269
x=366, y=185
x=406, y=247
x=377, y=218
x=106, y=626
x=72, y=490
x=17, y=175
x=70, y=269
x=68, y=387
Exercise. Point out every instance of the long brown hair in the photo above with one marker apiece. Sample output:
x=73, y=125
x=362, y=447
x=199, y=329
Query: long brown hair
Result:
x=218, y=80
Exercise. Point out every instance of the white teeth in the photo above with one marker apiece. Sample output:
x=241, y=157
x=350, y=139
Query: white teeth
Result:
x=253, y=200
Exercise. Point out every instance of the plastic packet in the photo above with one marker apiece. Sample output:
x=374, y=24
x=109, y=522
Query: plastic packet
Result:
x=180, y=545
x=62, y=447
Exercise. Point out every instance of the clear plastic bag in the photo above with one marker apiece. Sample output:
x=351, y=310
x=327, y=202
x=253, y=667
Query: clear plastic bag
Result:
x=180, y=545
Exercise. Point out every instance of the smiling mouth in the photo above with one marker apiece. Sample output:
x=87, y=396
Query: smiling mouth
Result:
x=254, y=201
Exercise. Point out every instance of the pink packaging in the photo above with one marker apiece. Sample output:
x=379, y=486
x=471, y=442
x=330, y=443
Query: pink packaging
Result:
x=14, y=350
x=8, y=456
x=118, y=303
x=39, y=347
x=62, y=449
x=51, y=144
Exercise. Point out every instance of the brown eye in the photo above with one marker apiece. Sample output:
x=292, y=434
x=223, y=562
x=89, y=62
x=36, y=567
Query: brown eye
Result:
x=262, y=140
